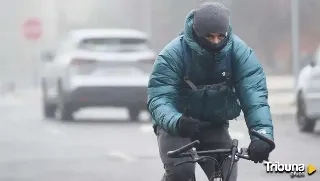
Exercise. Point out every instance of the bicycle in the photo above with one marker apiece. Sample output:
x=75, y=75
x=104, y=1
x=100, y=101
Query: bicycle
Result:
x=234, y=153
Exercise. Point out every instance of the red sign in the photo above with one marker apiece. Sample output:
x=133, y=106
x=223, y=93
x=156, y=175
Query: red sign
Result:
x=32, y=29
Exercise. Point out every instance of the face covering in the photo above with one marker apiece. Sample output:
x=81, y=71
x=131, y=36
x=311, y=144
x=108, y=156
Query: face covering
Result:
x=204, y=43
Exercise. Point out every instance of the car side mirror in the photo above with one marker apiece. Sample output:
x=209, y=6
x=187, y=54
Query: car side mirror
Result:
x=47, y=56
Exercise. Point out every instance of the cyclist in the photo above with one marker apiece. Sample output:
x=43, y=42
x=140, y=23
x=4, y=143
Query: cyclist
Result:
x=194, y=88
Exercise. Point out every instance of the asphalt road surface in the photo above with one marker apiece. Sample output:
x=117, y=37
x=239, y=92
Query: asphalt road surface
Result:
x=34, y=149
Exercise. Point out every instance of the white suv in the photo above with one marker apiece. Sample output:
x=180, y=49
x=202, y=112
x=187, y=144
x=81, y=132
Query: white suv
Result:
x=97, y=67
x=308, y=94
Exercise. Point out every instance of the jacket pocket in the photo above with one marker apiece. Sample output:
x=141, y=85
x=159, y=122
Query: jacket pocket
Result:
x=221, y=103
x=192, y=101
x=215, y=102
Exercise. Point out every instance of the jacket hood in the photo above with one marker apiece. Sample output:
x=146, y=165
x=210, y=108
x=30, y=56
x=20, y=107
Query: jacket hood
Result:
x=188, y=35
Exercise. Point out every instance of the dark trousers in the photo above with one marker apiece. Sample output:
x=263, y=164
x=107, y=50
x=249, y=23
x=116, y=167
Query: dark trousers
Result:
x=213, y=138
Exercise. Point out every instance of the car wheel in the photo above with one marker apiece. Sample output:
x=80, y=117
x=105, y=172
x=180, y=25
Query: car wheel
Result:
x=64, y=112
x=305, y=124
x=48, y=108
x=64, y=109
x=134, y=114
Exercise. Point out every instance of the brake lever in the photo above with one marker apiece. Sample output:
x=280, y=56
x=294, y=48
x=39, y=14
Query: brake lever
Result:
x=244, y=153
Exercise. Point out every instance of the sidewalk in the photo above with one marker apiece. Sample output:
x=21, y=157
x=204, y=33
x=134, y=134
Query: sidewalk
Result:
x=280, y=83
x=281, y=90
x=20, y=97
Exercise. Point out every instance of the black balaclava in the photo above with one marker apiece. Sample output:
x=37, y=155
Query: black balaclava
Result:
x=211, y=17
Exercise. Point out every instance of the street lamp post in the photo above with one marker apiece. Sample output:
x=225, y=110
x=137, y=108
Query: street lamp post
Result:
x=295, y=38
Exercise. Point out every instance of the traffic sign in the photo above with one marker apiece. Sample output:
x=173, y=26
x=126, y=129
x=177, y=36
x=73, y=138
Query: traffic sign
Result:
x=32, y=29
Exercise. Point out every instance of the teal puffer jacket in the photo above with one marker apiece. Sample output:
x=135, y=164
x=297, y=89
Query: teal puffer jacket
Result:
x=166, y=102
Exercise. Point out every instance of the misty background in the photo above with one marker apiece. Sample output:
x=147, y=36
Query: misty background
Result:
x=265, y=25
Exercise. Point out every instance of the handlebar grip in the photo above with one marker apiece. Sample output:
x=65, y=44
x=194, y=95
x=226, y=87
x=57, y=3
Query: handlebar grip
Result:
x=264, y=138
x=183, y=149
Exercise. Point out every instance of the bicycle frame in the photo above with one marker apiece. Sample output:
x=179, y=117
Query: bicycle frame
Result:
x=233, y=152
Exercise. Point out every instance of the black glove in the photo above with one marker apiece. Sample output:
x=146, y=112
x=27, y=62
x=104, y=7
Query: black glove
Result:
x=188, y=127
x=259, y=151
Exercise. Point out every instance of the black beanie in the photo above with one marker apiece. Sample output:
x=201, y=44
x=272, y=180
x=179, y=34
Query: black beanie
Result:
x=211, y=17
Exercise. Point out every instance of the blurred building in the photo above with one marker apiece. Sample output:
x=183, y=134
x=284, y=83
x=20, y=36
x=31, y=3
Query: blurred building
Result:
x=264, y=25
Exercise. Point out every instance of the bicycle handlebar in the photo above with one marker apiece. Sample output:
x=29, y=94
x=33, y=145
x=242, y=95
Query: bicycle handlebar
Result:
x=183, y=149
x=233, y=151
x=187, y=147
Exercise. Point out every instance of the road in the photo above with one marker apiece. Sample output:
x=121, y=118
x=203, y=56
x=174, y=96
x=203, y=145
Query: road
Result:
x=34, y=149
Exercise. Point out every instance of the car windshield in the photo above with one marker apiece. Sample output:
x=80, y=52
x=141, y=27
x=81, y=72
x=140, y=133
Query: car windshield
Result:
x=113, y=44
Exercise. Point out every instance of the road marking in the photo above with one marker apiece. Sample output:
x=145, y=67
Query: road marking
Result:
x=122, y=156
x=54, y=131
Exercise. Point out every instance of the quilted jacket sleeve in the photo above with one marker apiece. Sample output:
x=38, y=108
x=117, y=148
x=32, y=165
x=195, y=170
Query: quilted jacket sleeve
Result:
x=251, y=89
x=163, y=85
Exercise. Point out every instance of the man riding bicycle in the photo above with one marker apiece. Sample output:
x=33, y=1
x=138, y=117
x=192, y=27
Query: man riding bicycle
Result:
x=201, y=80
